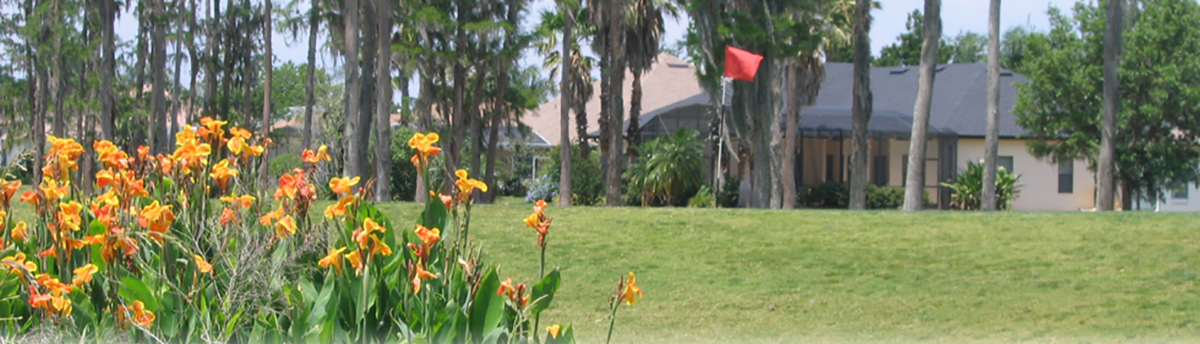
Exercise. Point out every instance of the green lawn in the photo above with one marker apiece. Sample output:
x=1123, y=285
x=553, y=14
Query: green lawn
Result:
x=720, y=275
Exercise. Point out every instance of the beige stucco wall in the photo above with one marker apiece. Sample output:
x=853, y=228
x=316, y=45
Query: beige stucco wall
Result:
x=1039, y=179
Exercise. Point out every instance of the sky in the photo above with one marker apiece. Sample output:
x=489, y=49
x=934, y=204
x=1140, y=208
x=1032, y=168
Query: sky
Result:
x=957, y=16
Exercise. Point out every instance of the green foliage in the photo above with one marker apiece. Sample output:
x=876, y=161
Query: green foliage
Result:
x=669, y=169
x=283, y=163
x=907, y=51
x=825, y=195
x=886, y=197
x=728, y=198
x=403, y=176
x=968, y=47
x=703, y=198
x=1060, y=107
x=587, y=179
x=968, y=188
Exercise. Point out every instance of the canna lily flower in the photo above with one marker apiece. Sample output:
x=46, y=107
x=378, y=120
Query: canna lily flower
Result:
x=428, y=236
x=631, y=291
x=211, y=128
x=108, y=198
x=419, y=275
x=83, y=274
x=53, y=190
x=506, y=287
x=141, y=316
x=201, y=265
x=237, y=143
x=227, y=217
x=342, y=185
x=110, y=155
x=144, y=152
x=221, y=173
x=18, y=232
x=256, y=150
x=554, y=330
x=244, y=201
x=61, y=305
x=379, y=247
x=7, y=190
x=104, y=177
x=157, y=218
x=539, y=221
x=355, y=259
x=269, y=218
x=17, y=262
x=340, y=208
x=313, y=158
x=68, y=215
x=423, y=144
x=333, y=258
x=285, y=227
x=38, y=300
x=32, y=198
x=287, y=186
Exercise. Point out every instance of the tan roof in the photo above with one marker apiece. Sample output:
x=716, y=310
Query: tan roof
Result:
x=670, y=80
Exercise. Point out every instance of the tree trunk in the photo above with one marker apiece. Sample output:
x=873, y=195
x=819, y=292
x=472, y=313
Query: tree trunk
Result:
x=158, y=64
x=352, y=89
x=616, y=43
x=370, y=39
x=383, y=103
x=1106, y=170
x=139, y=67
x=310, y=71
x=211, y=65
x=633, y=132
x=457, y=120
x=991, y=146
x=789, y=136
x=107, y=66
x=264, y=174
x=566, y=102
x=424, y=124
x=176, y=104
x=863, y=106
x=193, y=61
x=57, y=81
x=476, y=116
x=916, y=149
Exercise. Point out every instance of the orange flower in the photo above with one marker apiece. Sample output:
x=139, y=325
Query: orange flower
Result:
x=110, y=155
x=287, y=186
x=38, y=300
x=270, y=217
x=157, y=218
x=221, y=173
x=201, y=265
x=539, y=221
x=285, y=227
x=333, y=258
x=419, y=275
x=355, y=259
x=68, y=215
x=631, y=291
x=7, y=190
x=313, y=158
x=554, y=330
x=141, y=316
x=227, y=217
x=83, y=274
x=244, y=201
x=54, y=191
x=506, y=287
x=18, y=262
x=340, y=208
x=466, y=185
x=18, y=232
x=103, y=178
x=32, y=198
x=379, y=247
x=363, y=236
x=428, y=236
x=144, y=152
x=211, y=128
x=238, y=142
x=256, y=150
x=342, y=185
x=423, y=144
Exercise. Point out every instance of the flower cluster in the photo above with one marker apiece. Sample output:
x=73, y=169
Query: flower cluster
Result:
x=516, y=294
x=539, y=222
x=418, y=272
x=423, y=144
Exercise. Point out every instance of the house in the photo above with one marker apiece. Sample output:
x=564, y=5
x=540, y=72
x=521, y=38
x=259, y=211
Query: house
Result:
x=673, y=98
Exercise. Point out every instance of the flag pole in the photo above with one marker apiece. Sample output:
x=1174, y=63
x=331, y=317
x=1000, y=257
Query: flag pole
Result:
x=718, y=177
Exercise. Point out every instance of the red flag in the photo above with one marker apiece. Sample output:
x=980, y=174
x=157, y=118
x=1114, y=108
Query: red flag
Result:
x=741, y=64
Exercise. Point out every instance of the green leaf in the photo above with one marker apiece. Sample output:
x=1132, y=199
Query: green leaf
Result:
x=494, y=336
x=543, y=292
x=487, y=307
x=319, y=314
x=133, y=289
x=567, y=336
x=434, y=215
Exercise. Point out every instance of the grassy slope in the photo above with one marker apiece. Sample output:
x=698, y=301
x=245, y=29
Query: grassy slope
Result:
x=786, y=276
x=721, y=275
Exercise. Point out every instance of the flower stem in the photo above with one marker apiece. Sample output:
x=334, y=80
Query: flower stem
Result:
x=612, y=320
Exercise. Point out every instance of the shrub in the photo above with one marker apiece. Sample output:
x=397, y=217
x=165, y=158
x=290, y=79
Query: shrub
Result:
x=283, y=163
x=967, y=187
x=703, y=198
x=587, y=179
x=728, y=198
x=885, y=197
x=826, y=195
x=403, y=175
x=669, y=169
x=543, y=187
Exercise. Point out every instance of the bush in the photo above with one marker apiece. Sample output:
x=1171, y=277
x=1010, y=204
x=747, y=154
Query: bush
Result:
x=403, y=175
x=669, y=169
x=885, y=197
x=543, y=188
x=728, y=198
x=283, y=163
x=826, y=195
x=703, y=198
x=967, y=187
x=587, y=179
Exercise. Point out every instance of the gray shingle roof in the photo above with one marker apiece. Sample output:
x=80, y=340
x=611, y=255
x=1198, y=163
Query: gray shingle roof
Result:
x=959, y=95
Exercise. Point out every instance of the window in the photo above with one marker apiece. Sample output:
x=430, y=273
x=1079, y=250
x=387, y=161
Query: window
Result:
x=829, y=173
x=1006, y=162
x=1180, y=191
x=1066, y=177
x=881, y=170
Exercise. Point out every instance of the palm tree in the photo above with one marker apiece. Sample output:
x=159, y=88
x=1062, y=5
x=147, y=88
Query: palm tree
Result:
x=1113, y=30
x=913, y=200
x=564, y=143
x=158, y=66
x=108, y=9
x=352, y=87
x=580, y=81
x=383, y=102
x=863, y=105
x=991, y=144
x=263, y=173
x=643, y=33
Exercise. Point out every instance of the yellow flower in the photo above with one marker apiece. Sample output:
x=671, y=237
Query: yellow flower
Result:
x=68, y=215
x=333, y=258
x=428, y=236
x=423, y=144
x=18, y=232
x=342, y=185
x=141, y=316
x=221, y=173
x=313, y=158
x=212, y=128
x=379, y=247
x=466, y=185
x=285, y=227
x=83, y=274
x=355, y=261
x=419, y=275
x=631, y=291
x=244, y=201
x=554, y=330
x=53, y=191
x=339, y=209
x=201, y=265
x=237, y=143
